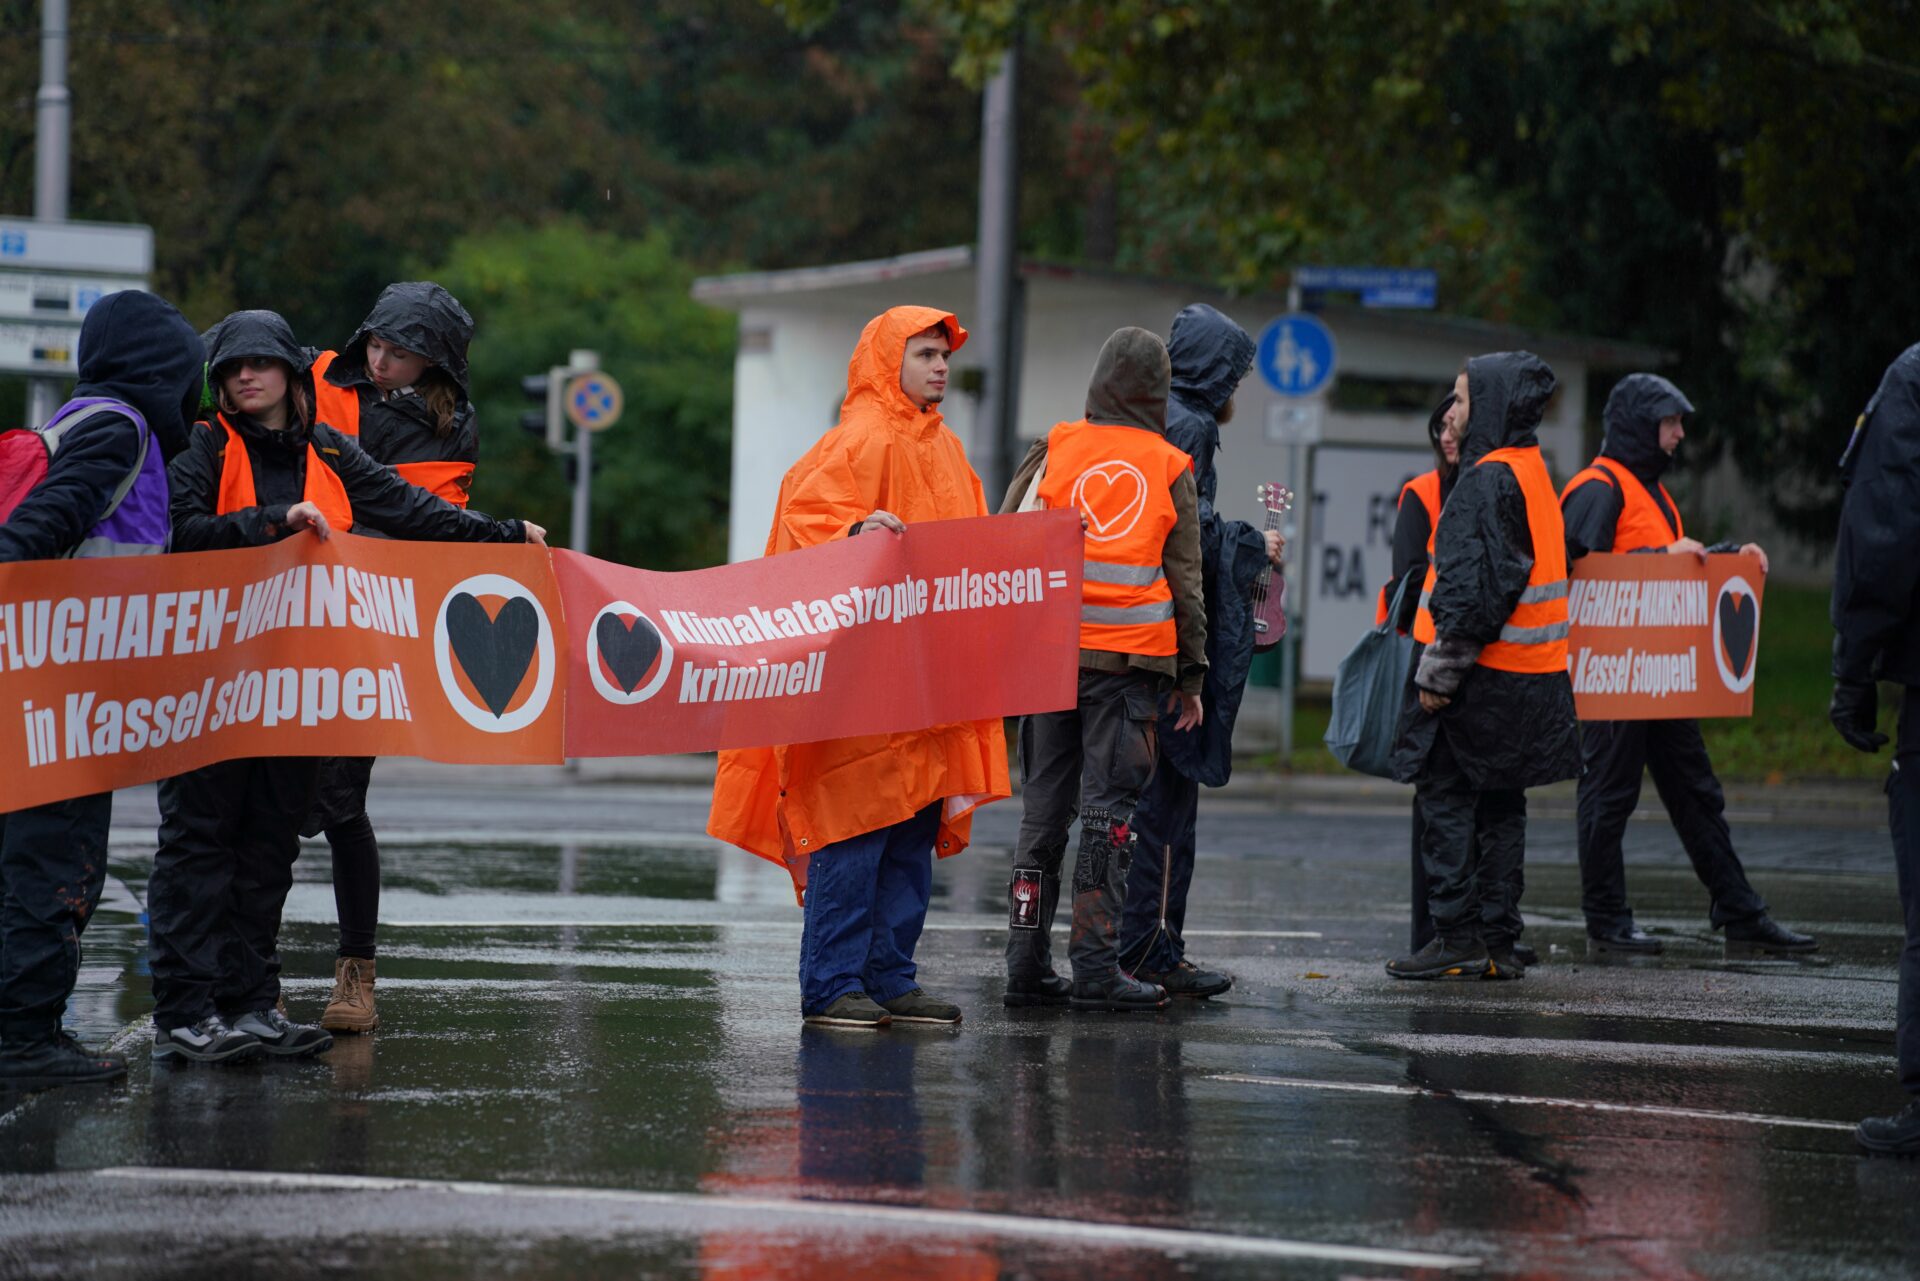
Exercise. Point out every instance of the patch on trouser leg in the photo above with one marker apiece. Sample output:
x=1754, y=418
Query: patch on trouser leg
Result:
x=1096, y=849
x=1023, y=899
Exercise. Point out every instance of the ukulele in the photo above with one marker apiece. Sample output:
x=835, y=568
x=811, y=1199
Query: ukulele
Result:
x=1270, y=589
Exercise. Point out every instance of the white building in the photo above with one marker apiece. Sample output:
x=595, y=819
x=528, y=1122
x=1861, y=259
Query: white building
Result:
x=798, y=328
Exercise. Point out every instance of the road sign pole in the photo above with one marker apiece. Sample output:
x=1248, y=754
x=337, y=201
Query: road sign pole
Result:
x=582, y=488
x=53, y=120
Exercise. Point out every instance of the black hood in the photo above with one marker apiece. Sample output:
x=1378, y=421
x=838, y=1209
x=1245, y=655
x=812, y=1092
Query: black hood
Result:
x=1210, y=355
x=135, y=347
x=1130, y=381
x=1886, y=440
x=255, y=333
x=1634, y=409
x=418, y=315
x=1507, y=395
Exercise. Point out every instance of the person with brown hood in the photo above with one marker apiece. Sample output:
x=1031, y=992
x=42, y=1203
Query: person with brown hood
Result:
x=1143, y=634
x=856, y=821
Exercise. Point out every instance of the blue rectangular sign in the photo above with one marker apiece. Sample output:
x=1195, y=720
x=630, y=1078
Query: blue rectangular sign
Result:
x=1377, y=286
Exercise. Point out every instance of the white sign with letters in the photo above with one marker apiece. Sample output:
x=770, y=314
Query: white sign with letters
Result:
x=1348, y=555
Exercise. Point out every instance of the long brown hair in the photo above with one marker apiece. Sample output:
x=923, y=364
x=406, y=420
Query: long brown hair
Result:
x=442, y=396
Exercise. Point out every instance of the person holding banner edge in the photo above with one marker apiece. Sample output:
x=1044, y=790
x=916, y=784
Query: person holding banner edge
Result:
x=262, y=470
x=1619, y=505
x=399, y=388
x=104, y=493
x=1876, y=623
x=857, y=821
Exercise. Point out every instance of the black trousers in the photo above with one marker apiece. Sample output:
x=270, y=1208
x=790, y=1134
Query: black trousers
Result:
x=1616, y=752
x=53, y=865
x=341, y=812
x=1903, y=813
x=1162, y=873
x=229, y=834
x=1475, y=843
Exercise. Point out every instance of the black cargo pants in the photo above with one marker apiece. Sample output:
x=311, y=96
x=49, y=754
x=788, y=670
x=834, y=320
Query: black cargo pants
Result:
x=53, y=865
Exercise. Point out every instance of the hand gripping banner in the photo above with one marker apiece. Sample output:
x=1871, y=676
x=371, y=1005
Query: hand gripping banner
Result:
x=114, y=672
x=1664, y=637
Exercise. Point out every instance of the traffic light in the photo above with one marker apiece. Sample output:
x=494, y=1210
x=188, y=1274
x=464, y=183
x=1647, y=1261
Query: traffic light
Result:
x=548, y=422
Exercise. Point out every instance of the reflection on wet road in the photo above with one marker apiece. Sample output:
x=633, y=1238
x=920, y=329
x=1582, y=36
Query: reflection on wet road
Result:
x=591, y=1063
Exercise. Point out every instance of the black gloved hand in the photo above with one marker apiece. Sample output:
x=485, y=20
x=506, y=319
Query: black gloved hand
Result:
x=1855, y=708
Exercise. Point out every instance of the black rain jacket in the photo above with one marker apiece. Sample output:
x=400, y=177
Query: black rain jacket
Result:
x=398, y=427
x=1410, y=527
x=381, y=500
x=1210, y=355
x=1876, y=564
x=135, y=348
x=1506, y=729
x=1632, y=417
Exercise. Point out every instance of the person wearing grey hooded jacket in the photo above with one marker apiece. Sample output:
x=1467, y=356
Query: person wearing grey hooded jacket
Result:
x=1143, y=633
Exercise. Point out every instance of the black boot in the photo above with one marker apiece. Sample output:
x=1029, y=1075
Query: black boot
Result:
x=1033, y=896
x=1459, y=958
x=1762, y=934
x=56, y=1060
x=1119, y=991
x=1896, y=1135
x=1505, y=963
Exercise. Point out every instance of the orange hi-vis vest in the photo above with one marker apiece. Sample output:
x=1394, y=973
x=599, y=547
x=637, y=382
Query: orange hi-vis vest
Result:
x=1534, y=638
x=339, y=408
x=1121, y=479
x=322, y=487
x=1427, y=489
x=1642, y=524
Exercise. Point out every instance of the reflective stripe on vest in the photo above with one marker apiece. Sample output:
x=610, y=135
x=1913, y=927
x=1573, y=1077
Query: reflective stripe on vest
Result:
x=1121, y=479
x=1534, y=637
x=1427, y=489
x=322, y=487
x=1642, y=524
x=337, y=407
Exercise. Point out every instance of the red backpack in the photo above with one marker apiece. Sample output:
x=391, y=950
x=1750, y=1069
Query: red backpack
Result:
x=26, y=452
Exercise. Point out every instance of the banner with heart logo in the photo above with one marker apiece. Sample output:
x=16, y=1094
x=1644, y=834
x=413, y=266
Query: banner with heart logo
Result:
x=955, y=620
x=115, y=672
x=1664, y=637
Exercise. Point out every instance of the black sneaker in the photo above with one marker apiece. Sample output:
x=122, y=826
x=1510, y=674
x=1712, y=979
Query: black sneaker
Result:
x=1050, y=989
x=1525, y=955
x=208, y=1041
x=1504, y=963
x=917, y=1007
x=1442, y=960
x=1121, y=992
x=1188, y=979
x=1764, y=935
x=853, y=1009
x=1896, y=1135
x=57, y=1060
x=281, y=1037
x=1631, y=940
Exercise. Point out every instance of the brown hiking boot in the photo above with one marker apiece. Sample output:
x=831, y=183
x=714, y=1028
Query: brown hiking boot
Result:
x=351, y=1007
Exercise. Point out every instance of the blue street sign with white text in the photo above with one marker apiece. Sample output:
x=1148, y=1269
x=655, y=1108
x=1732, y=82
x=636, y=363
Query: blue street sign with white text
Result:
x=1296, y=355
x=1377, y=286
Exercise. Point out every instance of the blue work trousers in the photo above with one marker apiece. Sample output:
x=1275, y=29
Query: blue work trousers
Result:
x=865, y=905
x=1162, y=873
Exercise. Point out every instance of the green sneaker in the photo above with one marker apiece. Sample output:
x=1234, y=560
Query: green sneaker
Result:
x=851, y=1010
x=917, y=1007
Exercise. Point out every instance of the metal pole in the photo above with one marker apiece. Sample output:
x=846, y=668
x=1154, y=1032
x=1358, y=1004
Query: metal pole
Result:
x=1289, y=647
x=53, y=128
x=582, y=488
x=996, y=433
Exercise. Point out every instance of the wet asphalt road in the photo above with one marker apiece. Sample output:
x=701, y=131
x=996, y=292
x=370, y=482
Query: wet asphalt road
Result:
x=591, y=1064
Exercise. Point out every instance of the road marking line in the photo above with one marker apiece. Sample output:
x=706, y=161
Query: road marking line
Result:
x=789, y=926
x=1584, y=1105
x=958, y=1222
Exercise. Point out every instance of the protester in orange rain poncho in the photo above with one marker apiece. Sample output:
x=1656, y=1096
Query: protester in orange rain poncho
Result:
x=856, y=820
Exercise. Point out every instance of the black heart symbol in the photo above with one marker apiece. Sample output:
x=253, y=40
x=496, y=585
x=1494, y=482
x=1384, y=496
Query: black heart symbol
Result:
x=494, y=651
x=1739, y=620
x=628, y=647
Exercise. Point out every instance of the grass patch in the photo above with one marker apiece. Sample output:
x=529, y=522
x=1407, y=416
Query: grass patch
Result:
x=1787, y=739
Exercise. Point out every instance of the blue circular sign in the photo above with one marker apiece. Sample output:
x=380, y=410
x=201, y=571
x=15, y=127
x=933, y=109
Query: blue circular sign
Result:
x=1297, y=355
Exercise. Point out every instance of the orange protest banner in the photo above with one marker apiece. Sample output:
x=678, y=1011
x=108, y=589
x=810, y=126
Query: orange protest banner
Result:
x=121, y=671
x=1664, y=637
x=954, y=620
x=115, y=672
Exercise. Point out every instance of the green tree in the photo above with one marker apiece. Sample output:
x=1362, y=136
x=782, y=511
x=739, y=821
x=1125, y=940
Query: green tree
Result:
x=662, y=472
